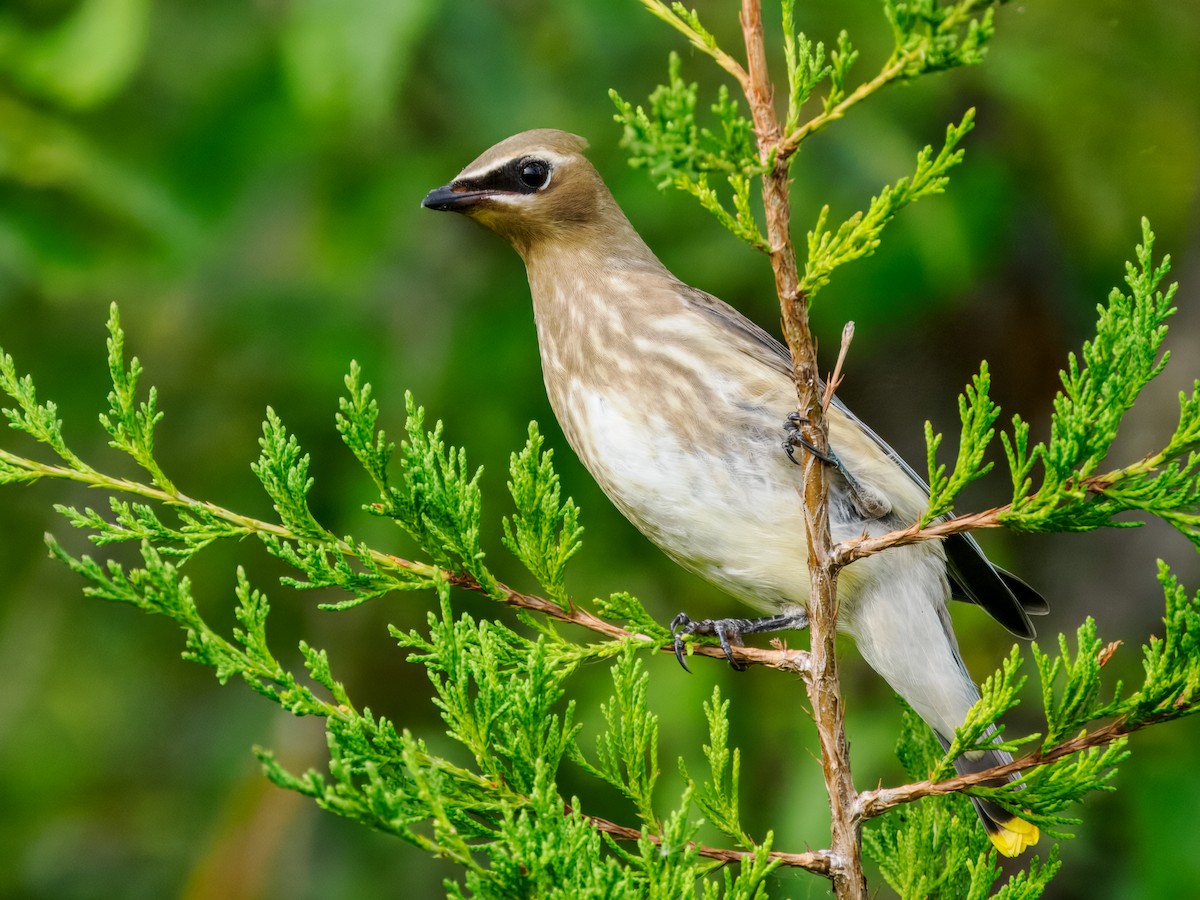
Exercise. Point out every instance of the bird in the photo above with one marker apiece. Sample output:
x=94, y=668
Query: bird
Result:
x=675, y=403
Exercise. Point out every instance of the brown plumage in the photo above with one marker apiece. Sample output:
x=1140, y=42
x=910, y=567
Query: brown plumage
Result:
x=676, y=404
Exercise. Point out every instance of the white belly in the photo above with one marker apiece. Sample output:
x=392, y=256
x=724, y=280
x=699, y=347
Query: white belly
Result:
x=728, y=511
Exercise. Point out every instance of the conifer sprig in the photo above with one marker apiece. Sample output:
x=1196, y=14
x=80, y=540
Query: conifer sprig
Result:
x=503, y=696
x=666, y=140
x=978, y=414
x=1098, y=389
x=545, y=532
x=493, y=803
x=859, y=236
x=717, y=797
x=129, y=422
x=627, y=751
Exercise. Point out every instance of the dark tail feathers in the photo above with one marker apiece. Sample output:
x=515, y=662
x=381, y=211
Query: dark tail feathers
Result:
x=1010, y=834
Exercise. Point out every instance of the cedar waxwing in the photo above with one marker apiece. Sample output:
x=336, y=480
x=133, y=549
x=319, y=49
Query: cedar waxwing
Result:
x=678, y=405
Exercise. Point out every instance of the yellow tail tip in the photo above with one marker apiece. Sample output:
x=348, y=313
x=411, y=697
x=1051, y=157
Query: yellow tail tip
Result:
x=1014, y=837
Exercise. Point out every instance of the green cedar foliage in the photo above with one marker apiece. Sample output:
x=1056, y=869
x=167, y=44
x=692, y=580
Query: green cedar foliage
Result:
x=903, y=844
x=664, y=137
x=504, y=696
x=1075, y=491
x=666, y=140
x=545, y=532
x=495, y=806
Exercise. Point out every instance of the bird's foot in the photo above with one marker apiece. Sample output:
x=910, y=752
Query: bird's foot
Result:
x=871, y=503
x=731, y=631
x=792, y=440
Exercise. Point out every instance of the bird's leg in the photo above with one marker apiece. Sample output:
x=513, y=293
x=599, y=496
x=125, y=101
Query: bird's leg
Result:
x=730, y=631
x=866, y=499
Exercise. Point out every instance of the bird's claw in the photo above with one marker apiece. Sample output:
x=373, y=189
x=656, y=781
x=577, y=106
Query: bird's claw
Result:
x=727, y=631
x=866, y=498
x=678, y=626
x=731, y=631
x=793, y=439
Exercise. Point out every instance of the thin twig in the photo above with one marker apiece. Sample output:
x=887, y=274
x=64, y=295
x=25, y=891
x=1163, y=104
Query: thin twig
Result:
x=890, y=72
x=847, y=551
x=785, y=659
x=835, y=380
x=845, y=872
x=722, y=59
x=814, y=861
x=878, y=801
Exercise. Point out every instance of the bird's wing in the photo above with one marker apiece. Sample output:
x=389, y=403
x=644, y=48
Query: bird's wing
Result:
x=753, y=340
x=974, y=578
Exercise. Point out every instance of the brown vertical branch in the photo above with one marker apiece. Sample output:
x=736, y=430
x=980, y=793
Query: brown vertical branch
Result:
x=824, y=686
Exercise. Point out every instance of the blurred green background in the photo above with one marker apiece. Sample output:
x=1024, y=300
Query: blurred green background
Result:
x=244, y=179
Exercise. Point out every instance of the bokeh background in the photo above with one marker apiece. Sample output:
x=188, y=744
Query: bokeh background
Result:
x=244, y=179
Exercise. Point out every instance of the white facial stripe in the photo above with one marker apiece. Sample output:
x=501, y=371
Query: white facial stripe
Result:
x=555, y=159
x=505, y=198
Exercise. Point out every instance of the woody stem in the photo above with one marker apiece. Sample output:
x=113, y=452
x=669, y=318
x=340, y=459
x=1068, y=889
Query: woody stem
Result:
x=824, y=686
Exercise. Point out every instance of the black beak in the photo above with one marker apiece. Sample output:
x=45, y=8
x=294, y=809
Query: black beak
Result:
x=452, y=199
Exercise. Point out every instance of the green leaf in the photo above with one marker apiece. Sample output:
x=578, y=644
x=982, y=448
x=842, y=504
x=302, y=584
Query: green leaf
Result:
x=667, y=141
x=718, y=798
x=628, y=610
x=806, y=65
x=627, y=752
x=859, y=235
x=38, y=420
x=282, y=467
x=841, y=61
x=436, y=502
x=1071, y=684
x=686, y=21
x=1099, y=387
x=130, y=423
x=357, y=423
x=978, y=414
x=932, y=36
x=1172, y=662
x=998, y=694
x=545, y=532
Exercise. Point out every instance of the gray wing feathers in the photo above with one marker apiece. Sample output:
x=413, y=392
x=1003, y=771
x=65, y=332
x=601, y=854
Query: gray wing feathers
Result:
x=974, y=578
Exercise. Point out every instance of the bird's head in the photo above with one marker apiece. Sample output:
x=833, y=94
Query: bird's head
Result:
x=533, y=187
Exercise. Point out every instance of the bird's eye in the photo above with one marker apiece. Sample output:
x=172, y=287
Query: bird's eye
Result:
x=534, y=174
